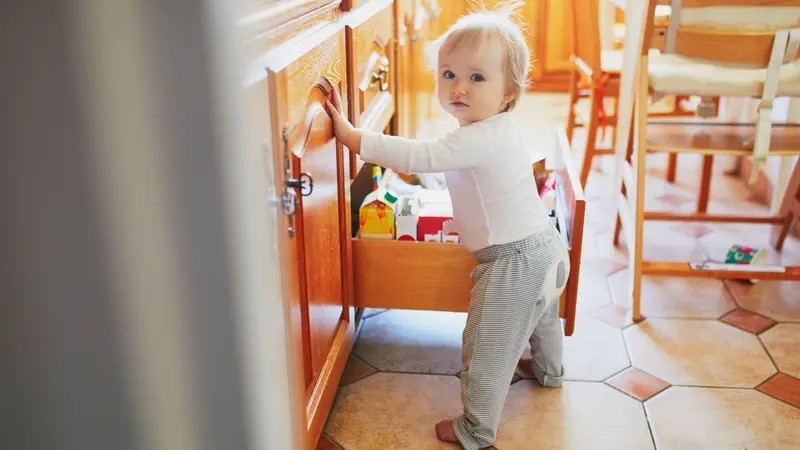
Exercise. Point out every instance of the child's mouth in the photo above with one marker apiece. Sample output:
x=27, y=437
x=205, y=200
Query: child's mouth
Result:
x=459, y=105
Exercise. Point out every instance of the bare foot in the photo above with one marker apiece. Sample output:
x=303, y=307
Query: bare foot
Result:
x=444, y=431
x=524, y=368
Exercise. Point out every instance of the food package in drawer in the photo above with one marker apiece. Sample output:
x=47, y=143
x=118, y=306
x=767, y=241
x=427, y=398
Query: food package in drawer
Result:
x=449, y=232
x=432, y=217
x=407, y=218
x=376, y=216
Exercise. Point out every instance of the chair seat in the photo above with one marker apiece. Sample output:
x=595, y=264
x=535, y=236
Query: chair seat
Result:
x=611, y=61
x=675, y=74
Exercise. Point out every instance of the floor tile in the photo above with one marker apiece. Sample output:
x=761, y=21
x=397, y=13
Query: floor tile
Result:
x=777, y=300
x=413, y=341
x=325, y=443
x=784, y=388
x=370, y=312
x=594, y=352
x=576, y=416
x=593, y=292
x=639, y=385
x=676, y=297
x=698, y=353
x=692, y=230
x=391, y=411
x=747, y=321
x=355, y=370
x=701, y=418
x=783, y=344
x=674, y=199
x=615, y=316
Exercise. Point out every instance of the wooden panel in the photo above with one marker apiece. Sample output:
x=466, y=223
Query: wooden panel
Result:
x=726, y=46
x=302, y=76
x=570, y=211
x=263, y=27
x=408, y=54
x=371, y=41
x=719, y=138
x=709, y=3
x=412, y=275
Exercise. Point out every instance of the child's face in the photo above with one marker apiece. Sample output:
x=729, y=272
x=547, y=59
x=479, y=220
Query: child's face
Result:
x=472, y=82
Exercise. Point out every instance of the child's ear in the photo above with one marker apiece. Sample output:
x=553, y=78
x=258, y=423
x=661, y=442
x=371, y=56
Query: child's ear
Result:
x=511, y=94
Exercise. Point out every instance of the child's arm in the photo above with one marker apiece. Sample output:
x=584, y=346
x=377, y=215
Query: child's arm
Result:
x=456, y=151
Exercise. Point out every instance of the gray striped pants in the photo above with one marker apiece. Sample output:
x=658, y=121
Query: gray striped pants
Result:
x=514, y=301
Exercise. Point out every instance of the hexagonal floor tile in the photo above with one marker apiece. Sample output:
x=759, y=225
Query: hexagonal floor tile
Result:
x=576, y=416
x=777, y=300
x=594, y=352
x=593, y=293
x=783, y=344
x=698, y=353
x=695, y=418
x=675, y=296
x=413, y=341
x=392, y=411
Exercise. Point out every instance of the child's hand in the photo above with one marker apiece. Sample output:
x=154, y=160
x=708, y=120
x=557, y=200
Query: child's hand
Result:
x=342, y=128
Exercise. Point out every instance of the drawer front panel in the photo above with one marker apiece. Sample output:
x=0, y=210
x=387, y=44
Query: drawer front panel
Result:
x=374, y=73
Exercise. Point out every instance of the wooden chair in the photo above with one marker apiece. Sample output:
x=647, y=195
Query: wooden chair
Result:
x=595, y=74
x=711, y=53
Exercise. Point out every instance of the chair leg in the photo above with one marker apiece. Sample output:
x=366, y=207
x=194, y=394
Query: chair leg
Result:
x=672, y=167
x=616, y=117
x=591, y=138
x=636, y=256
x=573, y=99
x=789, y=209
x=705, y=184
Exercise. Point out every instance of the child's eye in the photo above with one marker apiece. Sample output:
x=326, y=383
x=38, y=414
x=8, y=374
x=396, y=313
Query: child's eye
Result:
x=449, y=74
x=476, y=77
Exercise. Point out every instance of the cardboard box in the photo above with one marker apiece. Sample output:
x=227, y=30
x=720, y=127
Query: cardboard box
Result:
x=406, y=219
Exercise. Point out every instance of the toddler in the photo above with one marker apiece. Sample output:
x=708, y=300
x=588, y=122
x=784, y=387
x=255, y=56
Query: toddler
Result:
x=482, y=64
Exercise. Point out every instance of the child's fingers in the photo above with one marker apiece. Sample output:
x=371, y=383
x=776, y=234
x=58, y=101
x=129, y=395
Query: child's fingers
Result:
x=331, y=108
x=337, y=98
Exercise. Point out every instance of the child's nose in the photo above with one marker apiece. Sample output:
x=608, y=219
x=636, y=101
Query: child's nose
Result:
x=459, y=88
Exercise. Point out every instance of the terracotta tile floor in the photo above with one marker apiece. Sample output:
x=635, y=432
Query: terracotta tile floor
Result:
x=715, y=365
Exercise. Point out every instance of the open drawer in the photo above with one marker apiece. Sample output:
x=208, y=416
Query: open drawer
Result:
x=436, y=277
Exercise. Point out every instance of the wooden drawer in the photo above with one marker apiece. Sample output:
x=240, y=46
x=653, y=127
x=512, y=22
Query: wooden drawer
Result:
x=433, y=276
x=315, y=247
x=371, y=67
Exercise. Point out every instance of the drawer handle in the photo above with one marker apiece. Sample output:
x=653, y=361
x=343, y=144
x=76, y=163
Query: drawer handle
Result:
x=380, y=78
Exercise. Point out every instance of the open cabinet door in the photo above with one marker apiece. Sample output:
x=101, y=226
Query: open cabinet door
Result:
x=313, y=176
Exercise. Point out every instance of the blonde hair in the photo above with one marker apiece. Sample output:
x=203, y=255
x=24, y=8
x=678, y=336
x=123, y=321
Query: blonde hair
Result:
x=483, y=25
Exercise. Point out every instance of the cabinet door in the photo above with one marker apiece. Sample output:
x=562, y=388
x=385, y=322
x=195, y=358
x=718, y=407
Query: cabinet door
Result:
x=372, y=70
x=312, y=166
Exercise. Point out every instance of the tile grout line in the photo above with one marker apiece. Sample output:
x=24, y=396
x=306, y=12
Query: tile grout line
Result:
x=766, y=350
x=617, y=373
x=650, y=425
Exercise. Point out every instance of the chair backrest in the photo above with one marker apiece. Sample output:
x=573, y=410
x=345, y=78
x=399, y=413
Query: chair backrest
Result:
x=586, y=32
x=727, y=31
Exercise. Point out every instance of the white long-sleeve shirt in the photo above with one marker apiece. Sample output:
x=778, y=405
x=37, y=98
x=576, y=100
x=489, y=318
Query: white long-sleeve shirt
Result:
x=488, y=172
